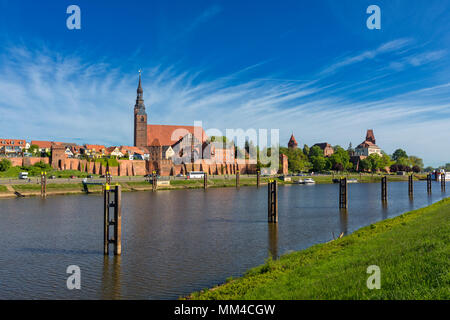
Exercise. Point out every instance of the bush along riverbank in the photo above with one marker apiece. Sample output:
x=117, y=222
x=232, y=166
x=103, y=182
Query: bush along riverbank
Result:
x=412, y=252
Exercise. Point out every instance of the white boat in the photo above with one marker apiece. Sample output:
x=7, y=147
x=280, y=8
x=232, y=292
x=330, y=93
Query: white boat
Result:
x=308, y=181
x=437, y=176
x=300, y=181
x=352, y=181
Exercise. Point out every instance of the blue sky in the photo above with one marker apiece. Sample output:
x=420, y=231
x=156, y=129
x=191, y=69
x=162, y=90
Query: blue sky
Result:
x=307, y=67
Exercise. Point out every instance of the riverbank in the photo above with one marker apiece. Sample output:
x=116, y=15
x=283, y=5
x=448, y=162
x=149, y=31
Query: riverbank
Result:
x=34, y=189
x=411, y=250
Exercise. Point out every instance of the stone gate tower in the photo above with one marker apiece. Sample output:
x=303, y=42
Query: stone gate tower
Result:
x=140, y=118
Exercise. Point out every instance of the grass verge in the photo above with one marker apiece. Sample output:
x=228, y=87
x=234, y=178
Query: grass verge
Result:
x=412, y=251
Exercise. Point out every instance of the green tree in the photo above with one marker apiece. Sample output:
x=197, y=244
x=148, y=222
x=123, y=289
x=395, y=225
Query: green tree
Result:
x=34, y=149
x=398, y=154
x=385, y=161
x=374, y=162
x=306, y=150
x=365, y=164
x=416, y=162
x=5, y=164
x=319, y=163
x=340, y=157
x=315, y=151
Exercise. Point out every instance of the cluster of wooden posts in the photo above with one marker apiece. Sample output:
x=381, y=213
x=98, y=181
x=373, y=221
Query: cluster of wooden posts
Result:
x=343, y=202
x=272, y=203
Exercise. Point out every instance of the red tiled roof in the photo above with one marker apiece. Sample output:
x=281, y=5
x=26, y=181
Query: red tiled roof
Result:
x=9, y=142
x=292, y=142
x=367, y=144
x=42, y=144
x=168, y=135
x=95, y=146
x=130, y=150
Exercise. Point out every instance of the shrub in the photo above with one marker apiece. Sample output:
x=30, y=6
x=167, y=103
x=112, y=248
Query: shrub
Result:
x=5, y=164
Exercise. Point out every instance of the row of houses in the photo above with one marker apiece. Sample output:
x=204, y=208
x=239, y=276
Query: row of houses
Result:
x=214, y=150
x=22, y=148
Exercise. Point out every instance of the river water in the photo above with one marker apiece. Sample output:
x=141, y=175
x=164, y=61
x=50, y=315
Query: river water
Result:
x=175, y=242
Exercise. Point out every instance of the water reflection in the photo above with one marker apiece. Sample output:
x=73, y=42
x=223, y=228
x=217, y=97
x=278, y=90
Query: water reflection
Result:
x=343, y=220
x=273, y=239
x=111, y=277
x=175, y=242
x=384, y=209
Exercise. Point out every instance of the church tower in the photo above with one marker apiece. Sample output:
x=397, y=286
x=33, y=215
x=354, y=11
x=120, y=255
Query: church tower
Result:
x=140, y=118
x=292, y=144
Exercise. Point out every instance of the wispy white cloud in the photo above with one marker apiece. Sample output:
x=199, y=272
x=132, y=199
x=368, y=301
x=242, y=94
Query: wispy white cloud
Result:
x=418, y=59
x=390, y=46
x=44, y=95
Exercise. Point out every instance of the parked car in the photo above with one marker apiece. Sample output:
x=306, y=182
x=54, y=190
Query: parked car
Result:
x=23, y=175
x=72, y=177
x=52, y=177
x=90, y=176
x=102, y=176
x=180, y=175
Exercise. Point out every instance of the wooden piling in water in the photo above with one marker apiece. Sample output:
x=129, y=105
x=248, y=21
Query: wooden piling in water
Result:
x=205, y=180
x=258, y=175
x=154, y=181
x=237, y=178
x=106, y=195
x=116, y=222
x=429, y=183
x=272, y=197
x=384, y=189
x=443, y=182
x=108, y=178
x=411, y=186
x=43, y=184
x=343, y=193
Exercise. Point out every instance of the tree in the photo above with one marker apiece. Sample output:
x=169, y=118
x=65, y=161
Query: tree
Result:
x=340, y=156
x=428, y=169
x=34, y=149
x=399, y=153
x=306, y=150
x=385, y=161
x=374, y=161
x=416, y=161
x=394, y=168
x=319, y=163
x=5, y=164
x=364, y=164
x=338, y=167
x=315, y=151
x=416, y=169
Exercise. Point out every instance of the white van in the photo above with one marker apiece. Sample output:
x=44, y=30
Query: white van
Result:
x=195, y=175
x=23, y=175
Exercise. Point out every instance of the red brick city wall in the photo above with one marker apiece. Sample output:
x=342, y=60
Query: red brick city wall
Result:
x=140, y=167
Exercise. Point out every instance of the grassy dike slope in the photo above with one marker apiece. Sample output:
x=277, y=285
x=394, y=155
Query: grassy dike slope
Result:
x=412, y=251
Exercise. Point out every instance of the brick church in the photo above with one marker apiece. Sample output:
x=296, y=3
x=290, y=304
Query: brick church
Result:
x=175, y=149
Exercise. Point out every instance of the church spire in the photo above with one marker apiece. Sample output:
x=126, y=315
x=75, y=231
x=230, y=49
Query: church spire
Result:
x=140, y=107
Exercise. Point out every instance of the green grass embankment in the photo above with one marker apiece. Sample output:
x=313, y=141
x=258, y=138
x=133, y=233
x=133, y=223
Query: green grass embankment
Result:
x=412, y=251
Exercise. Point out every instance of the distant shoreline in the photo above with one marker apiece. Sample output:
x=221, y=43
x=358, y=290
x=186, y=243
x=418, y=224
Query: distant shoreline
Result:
x=69, y=188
